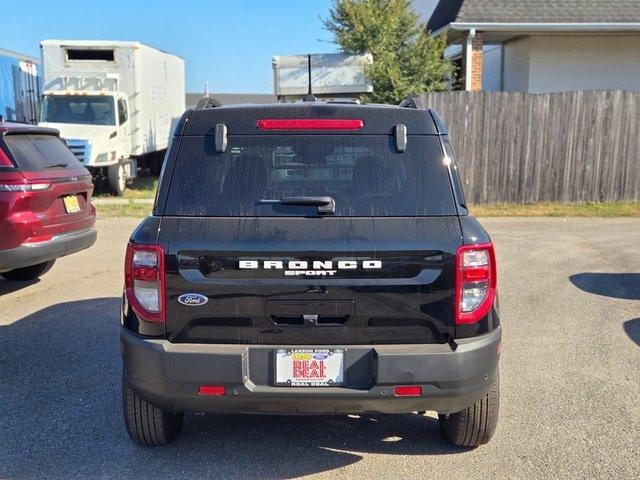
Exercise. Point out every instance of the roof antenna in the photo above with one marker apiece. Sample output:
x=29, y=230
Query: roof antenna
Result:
x=309, y=96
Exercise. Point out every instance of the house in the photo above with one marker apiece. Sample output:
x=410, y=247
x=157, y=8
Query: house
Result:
x=333, y=76
x=542, y=46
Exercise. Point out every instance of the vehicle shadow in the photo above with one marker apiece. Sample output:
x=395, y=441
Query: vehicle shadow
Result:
x=625, y=286
x=60, y=415
x=10, y=286
x=632, y=328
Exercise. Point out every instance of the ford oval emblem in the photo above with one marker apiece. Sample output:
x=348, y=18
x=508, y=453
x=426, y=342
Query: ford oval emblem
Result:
x=192, y=299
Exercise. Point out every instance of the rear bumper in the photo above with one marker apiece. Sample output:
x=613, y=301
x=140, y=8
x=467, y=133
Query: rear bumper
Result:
x=168, y=375
x=59, y=246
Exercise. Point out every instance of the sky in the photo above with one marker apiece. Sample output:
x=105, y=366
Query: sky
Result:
x=227, y=43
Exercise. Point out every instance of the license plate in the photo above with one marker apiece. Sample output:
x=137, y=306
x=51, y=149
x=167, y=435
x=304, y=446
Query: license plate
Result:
x=71, y=204
x=310, y=367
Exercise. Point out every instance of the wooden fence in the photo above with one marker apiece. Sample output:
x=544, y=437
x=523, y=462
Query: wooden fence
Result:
x=566, y=147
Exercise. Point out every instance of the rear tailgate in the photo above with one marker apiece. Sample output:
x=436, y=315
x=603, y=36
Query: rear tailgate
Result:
x=380, y=280
x=66, y=205
x=377, y=269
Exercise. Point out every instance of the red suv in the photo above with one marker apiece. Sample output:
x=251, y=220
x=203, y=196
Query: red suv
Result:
x=45, y=201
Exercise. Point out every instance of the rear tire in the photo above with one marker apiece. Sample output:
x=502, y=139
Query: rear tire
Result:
x=117, y=178
x=28, y=273
x=475, y=425
x=147, y=424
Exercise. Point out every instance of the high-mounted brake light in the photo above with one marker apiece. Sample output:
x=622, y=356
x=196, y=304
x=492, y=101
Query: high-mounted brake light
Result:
x=310, y=124
x=5, y=161
x=144, y=281
x=476, y=281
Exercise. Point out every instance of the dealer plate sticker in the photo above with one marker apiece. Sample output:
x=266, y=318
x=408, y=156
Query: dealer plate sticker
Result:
x=71, y=204
x=310, y=367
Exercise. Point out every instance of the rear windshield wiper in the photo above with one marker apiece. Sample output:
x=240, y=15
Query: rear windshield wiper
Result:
x=325, y=204
x=58, y=165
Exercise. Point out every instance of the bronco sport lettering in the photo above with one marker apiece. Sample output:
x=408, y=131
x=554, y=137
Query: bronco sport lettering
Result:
x=302, y=267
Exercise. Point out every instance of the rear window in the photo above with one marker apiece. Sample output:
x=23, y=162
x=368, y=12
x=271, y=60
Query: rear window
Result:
x=363, y=174
x=36, y=152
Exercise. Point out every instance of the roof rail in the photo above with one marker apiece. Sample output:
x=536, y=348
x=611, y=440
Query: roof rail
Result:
x=413, y=101
x=207, y=102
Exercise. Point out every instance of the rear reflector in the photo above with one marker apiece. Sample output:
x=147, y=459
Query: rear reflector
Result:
x=408, y=391
x=310, y=124
x=39, y=239
x=213, y=390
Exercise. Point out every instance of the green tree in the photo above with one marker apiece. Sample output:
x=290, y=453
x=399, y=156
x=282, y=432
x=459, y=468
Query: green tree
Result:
x=405, y=58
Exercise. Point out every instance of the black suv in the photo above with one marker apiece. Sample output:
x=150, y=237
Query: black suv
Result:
x=310, y=258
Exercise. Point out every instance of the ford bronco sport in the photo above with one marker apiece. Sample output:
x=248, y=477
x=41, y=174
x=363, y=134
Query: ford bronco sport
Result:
x=310, y=258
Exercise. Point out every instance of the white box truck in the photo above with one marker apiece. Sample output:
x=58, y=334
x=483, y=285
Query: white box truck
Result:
x=333, y=76
x=115, y=104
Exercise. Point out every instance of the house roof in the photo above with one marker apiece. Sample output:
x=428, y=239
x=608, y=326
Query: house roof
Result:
x=534, y=12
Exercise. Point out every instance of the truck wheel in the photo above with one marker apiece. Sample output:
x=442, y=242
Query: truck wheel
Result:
x=146, y=423
x=475, y=425
x=116, y=175
x=28, y=273
x=155, y=164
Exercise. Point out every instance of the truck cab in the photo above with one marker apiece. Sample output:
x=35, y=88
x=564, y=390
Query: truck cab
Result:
x=96, y=128
x=114, y=102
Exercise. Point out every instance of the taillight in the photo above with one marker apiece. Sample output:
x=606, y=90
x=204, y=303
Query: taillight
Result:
x=144, y=281
x=310, y=124
x=475, y=282
x=5, y=161
x=23, y=187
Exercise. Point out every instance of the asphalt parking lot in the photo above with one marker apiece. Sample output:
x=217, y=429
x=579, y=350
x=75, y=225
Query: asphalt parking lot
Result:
x=570, y=304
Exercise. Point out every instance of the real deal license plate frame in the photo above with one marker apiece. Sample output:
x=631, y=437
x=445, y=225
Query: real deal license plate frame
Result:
x=309, y=367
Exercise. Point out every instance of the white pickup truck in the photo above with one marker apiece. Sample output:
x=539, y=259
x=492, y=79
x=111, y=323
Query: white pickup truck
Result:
x=115, y=104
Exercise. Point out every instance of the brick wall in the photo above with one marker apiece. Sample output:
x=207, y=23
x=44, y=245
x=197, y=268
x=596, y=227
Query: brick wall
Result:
x=477, y=62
